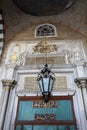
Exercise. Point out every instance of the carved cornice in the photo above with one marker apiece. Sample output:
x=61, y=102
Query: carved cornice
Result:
x=81, y=82
x=8, y=84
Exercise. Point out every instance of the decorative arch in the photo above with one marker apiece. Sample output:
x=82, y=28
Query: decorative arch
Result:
x=46, y=29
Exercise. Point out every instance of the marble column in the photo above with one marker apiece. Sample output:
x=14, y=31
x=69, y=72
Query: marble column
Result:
x=8, y=85
x=82, y=83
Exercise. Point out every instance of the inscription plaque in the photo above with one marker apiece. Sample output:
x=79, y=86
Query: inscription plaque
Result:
x=42, y=104
x=45, y=116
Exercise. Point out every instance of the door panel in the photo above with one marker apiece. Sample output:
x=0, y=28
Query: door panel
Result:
x=63, y=111
x=45, y=127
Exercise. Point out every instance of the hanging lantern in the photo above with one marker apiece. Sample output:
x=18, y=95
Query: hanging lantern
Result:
x=46, y=81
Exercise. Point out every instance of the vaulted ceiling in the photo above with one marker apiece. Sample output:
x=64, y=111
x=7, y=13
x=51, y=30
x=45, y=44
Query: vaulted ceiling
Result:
x=16, y=21
x=44, y=7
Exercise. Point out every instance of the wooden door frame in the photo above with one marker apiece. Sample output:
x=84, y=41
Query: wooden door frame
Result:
x=33, y=98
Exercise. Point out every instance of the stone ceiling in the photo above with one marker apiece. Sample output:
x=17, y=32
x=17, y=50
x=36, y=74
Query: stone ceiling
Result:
x=44, y=7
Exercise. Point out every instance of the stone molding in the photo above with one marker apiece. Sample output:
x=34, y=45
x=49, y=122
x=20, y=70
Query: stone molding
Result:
x=8, y=84
x=19, y=52
x=80, y=63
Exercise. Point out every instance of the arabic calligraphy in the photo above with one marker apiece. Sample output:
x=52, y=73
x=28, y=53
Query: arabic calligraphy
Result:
x=42, y=104
x=45, y=116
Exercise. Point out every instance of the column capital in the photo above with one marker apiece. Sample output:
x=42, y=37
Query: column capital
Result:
x=8, y=84
x=81, y=82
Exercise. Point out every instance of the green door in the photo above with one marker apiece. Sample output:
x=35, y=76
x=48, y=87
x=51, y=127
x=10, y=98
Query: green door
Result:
x=31, y=112
x=45, y=127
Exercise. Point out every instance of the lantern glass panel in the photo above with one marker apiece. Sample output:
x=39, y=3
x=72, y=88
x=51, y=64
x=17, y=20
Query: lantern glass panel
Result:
x=51, y=84
x=41, y=85
x=46, y=84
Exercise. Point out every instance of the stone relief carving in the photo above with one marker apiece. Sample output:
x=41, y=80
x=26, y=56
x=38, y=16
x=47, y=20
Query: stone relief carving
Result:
x=21, y=58
x=68, y=54
x=13, y=58
x=44, y=47
x=17, y=57
x=72, y=52
x=15, y=54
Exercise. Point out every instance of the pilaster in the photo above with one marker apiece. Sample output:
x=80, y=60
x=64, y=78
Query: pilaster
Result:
x=80, y=65
x=8, y=85
x=82, y=84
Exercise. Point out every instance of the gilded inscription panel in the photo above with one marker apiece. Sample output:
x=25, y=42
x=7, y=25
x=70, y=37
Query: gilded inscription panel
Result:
x=42, y=104
x=45, y=116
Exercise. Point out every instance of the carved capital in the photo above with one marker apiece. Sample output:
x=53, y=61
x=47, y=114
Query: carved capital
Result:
x=8, y=84
x=81, y=82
